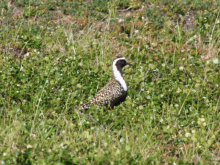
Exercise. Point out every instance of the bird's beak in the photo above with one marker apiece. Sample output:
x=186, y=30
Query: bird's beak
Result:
x=127, y=63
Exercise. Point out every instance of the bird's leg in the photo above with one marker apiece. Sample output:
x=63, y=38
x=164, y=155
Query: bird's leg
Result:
x=91, y=118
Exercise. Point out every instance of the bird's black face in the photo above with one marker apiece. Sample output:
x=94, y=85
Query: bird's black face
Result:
x=121, y=63
x=117, y=66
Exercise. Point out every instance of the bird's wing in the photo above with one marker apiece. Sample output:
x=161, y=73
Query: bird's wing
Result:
x=105, y=95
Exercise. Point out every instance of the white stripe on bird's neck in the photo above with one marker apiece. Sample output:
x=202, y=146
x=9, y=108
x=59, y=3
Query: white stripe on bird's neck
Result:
x=118, y=75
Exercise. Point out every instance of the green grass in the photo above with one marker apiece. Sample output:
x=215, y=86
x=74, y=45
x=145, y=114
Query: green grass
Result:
x=55, y=55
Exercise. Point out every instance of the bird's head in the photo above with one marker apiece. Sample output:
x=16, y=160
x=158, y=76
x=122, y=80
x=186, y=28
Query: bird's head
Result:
x=120, y=62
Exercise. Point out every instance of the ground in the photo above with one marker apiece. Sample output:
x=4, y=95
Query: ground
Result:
x=55, y=55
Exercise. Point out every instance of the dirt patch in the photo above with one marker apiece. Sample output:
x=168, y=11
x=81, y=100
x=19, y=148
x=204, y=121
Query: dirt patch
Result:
x=189, y=21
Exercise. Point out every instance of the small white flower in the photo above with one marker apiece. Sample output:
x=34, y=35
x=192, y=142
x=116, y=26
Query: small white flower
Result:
x=120, y=20
x=154, y=44
x=215, y=61
x=2, y=162
x=18, y=109
x=193, y=90
x=136, y=31
x=187, y=134
x=181, y=68
x=27, y=54
x=29, y=146
x=105, y=144
x=202, y=119
x=121, y=140
x=176, y=105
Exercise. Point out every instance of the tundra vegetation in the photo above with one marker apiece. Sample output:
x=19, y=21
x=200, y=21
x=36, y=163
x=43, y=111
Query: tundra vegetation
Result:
x=55, y=55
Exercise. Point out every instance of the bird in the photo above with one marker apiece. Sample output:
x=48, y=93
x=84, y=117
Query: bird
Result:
x=114, y=92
